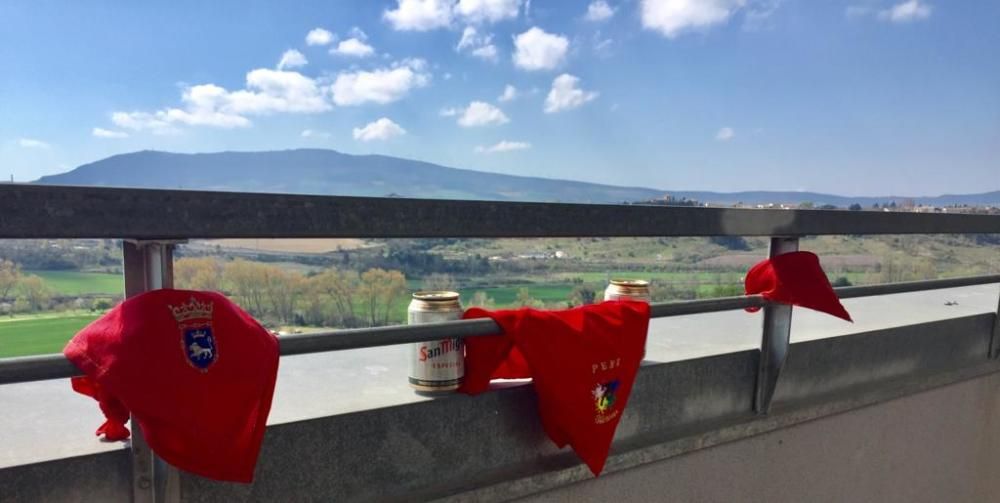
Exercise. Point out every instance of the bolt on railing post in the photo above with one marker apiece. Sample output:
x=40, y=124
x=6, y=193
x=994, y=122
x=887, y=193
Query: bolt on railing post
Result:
x=775, y=335
x=148, y=265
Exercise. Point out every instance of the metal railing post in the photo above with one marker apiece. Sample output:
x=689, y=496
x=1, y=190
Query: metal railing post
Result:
x=995, y=336
x=774, y=338
x=148, y=265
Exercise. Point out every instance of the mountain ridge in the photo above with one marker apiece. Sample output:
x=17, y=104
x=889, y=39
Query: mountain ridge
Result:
x=329, y=172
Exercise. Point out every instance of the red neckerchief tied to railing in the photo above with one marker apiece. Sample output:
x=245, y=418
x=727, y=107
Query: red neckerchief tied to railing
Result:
x=583, y=362
x=196, y=372
x=795, y=278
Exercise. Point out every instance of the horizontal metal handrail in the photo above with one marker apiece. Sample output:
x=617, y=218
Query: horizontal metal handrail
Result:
x=46, y=211
x=55, y=366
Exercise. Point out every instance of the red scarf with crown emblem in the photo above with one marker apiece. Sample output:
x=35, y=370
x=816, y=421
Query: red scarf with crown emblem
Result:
x=583, y=362
x=194, y=370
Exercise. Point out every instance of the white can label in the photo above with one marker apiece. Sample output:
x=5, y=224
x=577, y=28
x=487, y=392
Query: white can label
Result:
x=436, y=364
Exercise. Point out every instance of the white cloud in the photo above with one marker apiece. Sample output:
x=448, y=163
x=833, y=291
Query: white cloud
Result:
x=319, y=36
x=32, y=143
x=478, y=11
x=602, y=46
x=905, y=12
x=564, y=94
x=419, y=15
x=143, y=121
x=673, y=17
x=537, y=50
x=357, y=33
x=725, y=134
x=353, y=47
x=509, y=94
x=270, y=91
x=292, y=59
x=478, y=113
x=107, y=133
x=207, y=105
x=758, y=16
x=479, y=45
x=599, y=10
x=383, y=85
x=382, y=129
x=504, y=146
x=267, y=91
x=312, y=133
x=449, y=112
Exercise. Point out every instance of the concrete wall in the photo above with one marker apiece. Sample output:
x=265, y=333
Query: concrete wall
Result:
x=941, y=445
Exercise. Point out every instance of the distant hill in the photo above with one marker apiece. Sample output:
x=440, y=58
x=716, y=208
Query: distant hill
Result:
x=316, y=171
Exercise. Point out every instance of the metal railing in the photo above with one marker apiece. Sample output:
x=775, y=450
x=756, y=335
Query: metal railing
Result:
x=150, y=222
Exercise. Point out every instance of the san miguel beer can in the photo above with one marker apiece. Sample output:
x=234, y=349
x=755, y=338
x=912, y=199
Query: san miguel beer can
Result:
x=438, y=365
x=628, y=289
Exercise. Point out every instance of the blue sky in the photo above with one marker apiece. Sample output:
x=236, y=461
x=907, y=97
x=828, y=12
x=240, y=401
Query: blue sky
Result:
x=859, y=97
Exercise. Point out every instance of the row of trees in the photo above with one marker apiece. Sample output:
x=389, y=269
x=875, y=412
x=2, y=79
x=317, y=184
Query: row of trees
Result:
x=334, y=297
x=21, y=292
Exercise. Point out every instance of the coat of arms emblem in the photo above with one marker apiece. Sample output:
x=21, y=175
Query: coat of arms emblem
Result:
x=194, y=320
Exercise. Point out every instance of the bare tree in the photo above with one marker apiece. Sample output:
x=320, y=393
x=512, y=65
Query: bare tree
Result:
x=35, y=292
x=204, y=273
x=480, y=299
x=380, y=290
x=10, y=275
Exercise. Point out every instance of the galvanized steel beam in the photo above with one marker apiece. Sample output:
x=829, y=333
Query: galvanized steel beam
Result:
x=148, y=265
x=775, y=337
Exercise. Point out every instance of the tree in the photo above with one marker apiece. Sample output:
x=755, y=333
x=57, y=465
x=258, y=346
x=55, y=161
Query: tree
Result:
x=524, y=299
x=10, y=275
x=248, y=282
x=335, y=290
x=35, y=292
x=380, y=289
x=854, y=207
x=283, y=288
x=841, y=281
x=204, y=273
x=440, y=282
x=480, y=299
x=735, y=243
x=582, y=295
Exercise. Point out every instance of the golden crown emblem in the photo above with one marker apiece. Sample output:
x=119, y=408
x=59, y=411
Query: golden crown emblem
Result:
x=193, y=310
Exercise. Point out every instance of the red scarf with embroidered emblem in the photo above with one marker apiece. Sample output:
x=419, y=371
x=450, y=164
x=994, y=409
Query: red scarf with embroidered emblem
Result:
x=583, y=362
x=194, y=370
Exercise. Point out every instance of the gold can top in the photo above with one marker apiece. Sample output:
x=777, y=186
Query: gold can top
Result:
x=630, y=283
x=435, y=296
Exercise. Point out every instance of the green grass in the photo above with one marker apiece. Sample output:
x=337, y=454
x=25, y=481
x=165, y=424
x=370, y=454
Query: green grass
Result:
x=40, y=334
x=78, y=283
x=505, y=296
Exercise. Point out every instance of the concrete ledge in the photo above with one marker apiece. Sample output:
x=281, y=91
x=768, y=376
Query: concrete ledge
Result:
x=492, y=448
x=96, y=477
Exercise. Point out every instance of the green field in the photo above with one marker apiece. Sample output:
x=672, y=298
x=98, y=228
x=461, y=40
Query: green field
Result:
x=78, y=283
x=40, y=334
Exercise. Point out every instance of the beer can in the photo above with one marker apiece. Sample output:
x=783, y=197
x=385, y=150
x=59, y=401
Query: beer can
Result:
x=436, y=366
x=628, y=289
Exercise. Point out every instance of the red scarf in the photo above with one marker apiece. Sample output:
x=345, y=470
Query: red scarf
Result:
x=795, y=278
x=583, y=362
x=192, y=368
